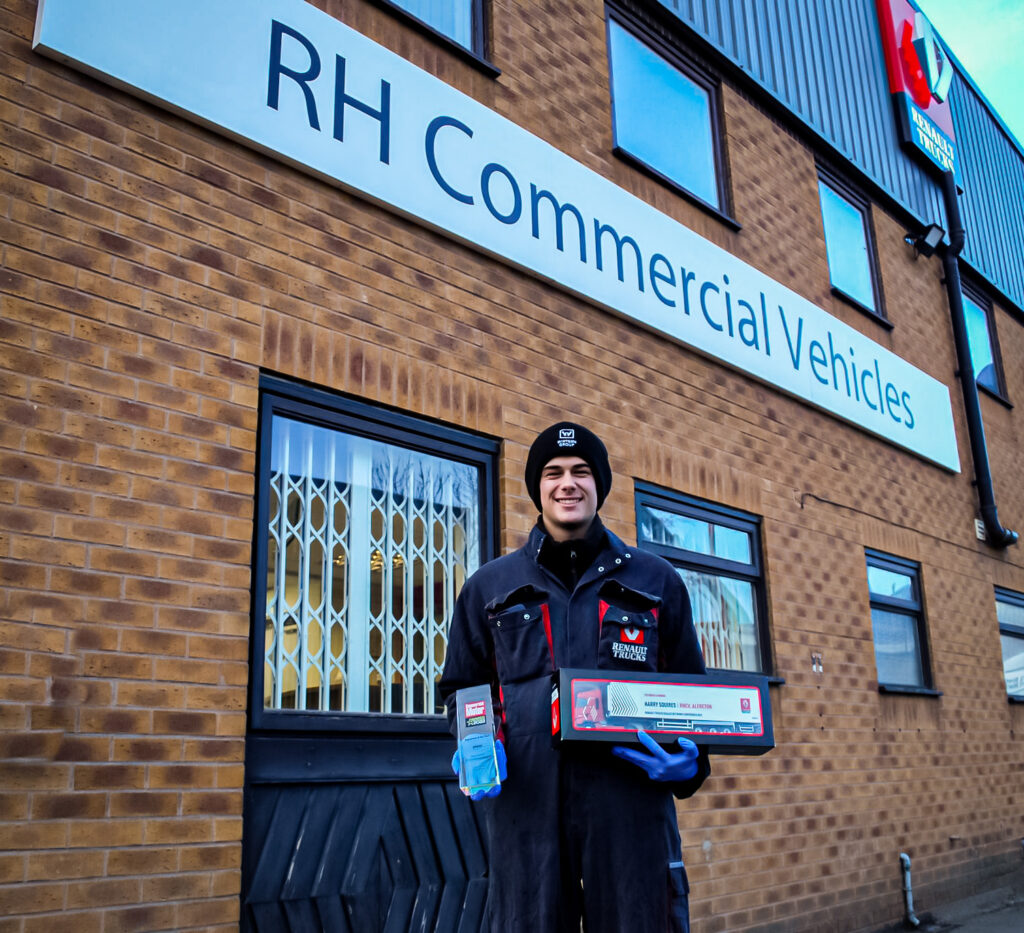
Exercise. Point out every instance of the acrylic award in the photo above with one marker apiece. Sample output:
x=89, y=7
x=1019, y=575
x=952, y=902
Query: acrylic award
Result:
x=478, y=760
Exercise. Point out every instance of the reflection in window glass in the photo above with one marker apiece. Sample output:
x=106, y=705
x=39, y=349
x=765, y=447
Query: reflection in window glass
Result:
x=662, y=117
x=846, y=245
x=897, y=648
x=452, y=18
x=979, y=338
x=726, y=598
x=368, y=545
x=723, y=613
x=1013, y=663
x=1010, y=612
x=731, y=543
x=691, y=534
x=882, y=582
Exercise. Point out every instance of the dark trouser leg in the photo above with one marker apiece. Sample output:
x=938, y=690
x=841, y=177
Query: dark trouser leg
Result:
x=626, y=834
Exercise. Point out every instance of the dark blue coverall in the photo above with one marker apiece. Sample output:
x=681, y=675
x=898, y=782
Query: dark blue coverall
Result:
x=575, y=832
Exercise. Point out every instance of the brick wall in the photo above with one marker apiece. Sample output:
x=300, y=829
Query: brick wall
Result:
x=151, y=270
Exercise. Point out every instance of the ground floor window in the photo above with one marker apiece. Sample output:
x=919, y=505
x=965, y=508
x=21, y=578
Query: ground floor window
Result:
x=370, y=523
x=1010, y=612
x=717, y=553
x=897, y=619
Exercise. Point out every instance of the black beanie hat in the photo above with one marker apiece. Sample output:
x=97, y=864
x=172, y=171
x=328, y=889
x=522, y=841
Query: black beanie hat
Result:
x=566, y=439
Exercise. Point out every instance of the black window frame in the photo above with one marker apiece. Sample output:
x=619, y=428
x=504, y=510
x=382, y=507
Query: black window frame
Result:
x=855, y=198
x=657, y=37
x=377, y=422
x=976, y=294
x=478, y=55
x=914, y=607
x=1008, y=628
x=658, y=497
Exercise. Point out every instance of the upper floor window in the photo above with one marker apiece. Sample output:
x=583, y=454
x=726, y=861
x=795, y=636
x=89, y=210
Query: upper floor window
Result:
x=370, y=523
x=717, y=553
x=981, y=338
x=1010, y=613
x=665, y=118
x=458, y=20
x=897, y=618
x=849, y=245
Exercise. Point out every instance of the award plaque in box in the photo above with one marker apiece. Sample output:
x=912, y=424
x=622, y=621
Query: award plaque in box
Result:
x=729, y=713
x=478, y=763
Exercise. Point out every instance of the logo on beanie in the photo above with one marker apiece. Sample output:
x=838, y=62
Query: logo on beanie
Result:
x=566, y=437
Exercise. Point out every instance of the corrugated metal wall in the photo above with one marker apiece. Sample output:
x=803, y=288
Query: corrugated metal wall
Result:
x=822, y=59
x=993, y=202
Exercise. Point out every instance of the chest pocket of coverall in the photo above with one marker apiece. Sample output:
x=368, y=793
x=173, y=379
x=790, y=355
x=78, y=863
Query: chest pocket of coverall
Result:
x=521, y=628
x=629, y=629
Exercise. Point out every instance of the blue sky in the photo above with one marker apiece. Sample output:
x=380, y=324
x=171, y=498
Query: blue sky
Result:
x=987, y=36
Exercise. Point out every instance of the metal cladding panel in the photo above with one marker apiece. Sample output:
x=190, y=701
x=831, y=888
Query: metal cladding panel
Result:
x=823, y=60
x=993, y=200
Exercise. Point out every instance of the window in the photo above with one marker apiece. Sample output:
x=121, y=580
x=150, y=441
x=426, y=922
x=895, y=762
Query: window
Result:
x=717, y=553
x=897, y=617
x=849, y=245
x=1010, y=613
x=665, y=118
x=458, y=20
x=369, y=524
x=982, y=341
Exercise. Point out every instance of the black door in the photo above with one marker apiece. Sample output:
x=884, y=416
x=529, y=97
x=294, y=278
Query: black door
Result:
x=367, y=524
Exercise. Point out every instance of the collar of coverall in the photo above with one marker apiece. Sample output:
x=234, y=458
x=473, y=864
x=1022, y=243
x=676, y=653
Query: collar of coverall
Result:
x=591, y=543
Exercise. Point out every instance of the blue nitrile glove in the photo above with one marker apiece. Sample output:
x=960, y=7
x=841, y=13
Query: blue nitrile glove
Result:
x=499, y=752
x=662, y=765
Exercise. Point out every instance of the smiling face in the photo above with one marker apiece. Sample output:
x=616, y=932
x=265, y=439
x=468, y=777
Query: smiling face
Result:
x=568, y=497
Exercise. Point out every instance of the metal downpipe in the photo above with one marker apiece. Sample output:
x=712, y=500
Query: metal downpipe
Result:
x=910, y=918
x=998, y=536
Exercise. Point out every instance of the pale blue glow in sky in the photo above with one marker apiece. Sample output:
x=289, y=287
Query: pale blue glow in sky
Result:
x=987, y=36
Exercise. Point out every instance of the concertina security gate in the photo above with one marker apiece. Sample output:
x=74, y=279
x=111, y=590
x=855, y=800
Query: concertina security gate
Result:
x=364, y=562
x=352, y=821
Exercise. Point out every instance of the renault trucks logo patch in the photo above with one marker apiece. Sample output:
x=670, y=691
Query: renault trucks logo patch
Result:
x=631, y=647
x=920, y=75
x=634, y=635
x=566, y=437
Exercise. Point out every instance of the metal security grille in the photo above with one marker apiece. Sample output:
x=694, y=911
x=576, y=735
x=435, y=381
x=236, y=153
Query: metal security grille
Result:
x=368, y=545
x=718, y=611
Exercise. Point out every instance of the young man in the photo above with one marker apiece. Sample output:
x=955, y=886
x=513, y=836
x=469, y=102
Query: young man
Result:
x=586, y=833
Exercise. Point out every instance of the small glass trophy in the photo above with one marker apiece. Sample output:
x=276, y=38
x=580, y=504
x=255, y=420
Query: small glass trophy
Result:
x=478, y=759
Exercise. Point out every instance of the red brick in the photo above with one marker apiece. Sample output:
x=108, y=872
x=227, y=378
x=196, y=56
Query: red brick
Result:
x=109, y=777
x=142, y=861
x=77, y=922
x=31, y=898
x=145, y=803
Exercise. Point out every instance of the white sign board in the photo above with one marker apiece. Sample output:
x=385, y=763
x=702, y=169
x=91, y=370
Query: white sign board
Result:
x=291, y=80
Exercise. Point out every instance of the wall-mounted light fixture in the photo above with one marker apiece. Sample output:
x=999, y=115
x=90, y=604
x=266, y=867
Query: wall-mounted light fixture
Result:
x=928, y=241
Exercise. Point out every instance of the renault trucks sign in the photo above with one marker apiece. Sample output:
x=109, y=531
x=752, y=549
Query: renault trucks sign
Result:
x=288, y=79
x=920, y=76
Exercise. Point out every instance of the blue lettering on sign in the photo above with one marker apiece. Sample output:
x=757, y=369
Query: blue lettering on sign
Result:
x=436, y=125
x=552, y=218
x=277, y=33
x=276, y=68
x=536, y=196
x=382, y=115
x=490, y=170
